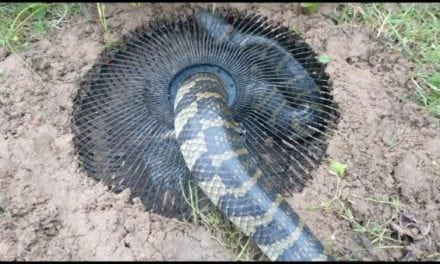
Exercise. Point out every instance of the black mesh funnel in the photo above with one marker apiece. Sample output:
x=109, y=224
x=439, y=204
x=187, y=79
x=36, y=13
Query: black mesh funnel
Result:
x=277, y=91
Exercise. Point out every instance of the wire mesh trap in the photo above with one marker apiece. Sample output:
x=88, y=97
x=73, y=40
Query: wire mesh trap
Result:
x=277, y=91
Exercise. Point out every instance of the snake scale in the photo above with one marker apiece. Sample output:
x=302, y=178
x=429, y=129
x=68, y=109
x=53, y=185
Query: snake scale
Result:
x=226, y=98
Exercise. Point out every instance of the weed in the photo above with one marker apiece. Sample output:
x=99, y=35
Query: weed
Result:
x=337, y=168
x=324, y=59
x=311, y=7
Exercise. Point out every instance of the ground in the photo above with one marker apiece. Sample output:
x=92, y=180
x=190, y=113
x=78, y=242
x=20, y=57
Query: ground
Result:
x=51, y=210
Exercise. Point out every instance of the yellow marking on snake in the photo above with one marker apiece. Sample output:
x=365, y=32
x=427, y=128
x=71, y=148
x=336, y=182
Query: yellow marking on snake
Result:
x=275, y=249
x=216, y=188
x=183, y=117
x=218, y=159
x=186, y=88
x=207, y=95
x=249, y=223
x=183, y=90
x=192, y=149
x=206, y=123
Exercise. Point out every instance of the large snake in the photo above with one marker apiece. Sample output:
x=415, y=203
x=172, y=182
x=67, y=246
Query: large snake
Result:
x=200, y=97
x=210, y=143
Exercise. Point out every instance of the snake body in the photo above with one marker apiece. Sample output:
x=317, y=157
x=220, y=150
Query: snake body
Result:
x=228, y=99
x=296, y=76
x=211, y=146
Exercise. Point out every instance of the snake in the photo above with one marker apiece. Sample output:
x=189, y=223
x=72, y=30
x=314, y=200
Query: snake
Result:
x=298, y=78
x=205, y=96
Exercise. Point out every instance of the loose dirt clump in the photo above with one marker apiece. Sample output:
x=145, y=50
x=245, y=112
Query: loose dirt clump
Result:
x=50, y=210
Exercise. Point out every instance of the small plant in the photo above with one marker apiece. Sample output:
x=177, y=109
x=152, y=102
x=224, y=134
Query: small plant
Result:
x=324, y=59
x=311, y=7
x=337, y=168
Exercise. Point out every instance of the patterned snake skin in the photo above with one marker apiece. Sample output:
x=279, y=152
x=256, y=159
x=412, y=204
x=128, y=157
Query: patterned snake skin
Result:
x=210, y=143
x=229, y=99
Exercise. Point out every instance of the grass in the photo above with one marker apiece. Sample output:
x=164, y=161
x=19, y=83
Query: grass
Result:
x=101, y=13
x=20, y=23
x=221, y=228
x=412, y=29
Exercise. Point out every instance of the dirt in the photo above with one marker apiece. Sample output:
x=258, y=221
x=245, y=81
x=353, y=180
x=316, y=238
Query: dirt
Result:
x=50, y=210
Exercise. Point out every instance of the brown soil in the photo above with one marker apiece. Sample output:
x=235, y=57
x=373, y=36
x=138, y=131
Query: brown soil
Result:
x=50, y=210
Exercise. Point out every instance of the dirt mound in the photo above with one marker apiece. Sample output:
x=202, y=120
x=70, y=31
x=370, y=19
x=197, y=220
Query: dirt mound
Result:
x=50, y=210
